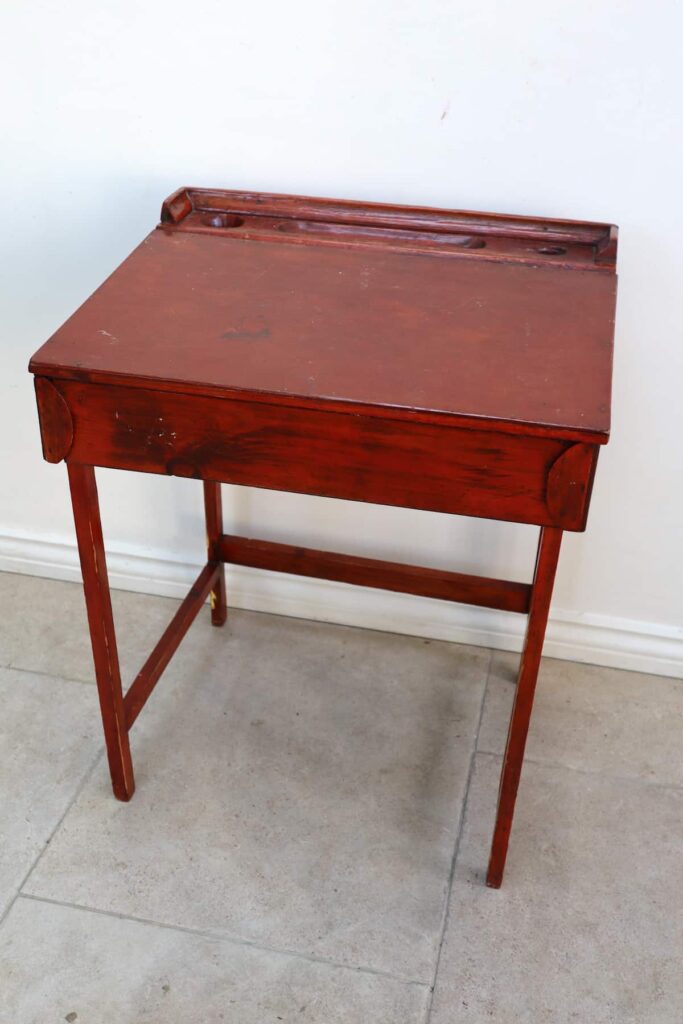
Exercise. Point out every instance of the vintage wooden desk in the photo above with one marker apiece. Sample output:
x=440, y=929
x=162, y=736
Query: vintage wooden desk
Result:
x=448, y=361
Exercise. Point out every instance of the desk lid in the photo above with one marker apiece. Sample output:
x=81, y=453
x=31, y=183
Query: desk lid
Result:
x=475, y=319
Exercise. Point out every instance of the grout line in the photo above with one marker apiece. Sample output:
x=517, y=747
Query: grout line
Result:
x=587, y=771
x=34, y=865
x=456, y=846
x=605, y=774
x=50, y=675
x=232, y=940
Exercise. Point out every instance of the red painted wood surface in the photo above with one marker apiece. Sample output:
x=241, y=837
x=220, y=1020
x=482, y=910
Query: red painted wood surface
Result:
x=358, y=457
x=148, y=676
x=525, y=347
x=101, y=622
x=367, y=572
x=301, y=220
x=56, y=422
x=542, y=590
x=245, y=212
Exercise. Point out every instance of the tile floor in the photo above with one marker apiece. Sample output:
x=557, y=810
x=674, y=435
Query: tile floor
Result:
x=310, y=830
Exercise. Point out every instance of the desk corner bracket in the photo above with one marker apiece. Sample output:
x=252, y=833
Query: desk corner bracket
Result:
x=56, y=424
x=569, y=485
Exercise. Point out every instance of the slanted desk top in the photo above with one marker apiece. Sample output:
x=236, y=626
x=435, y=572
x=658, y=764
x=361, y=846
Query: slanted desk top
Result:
x=404, y=311
x=431, y=359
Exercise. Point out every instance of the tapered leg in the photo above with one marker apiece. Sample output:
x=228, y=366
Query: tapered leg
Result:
x=542, y=589
x=101, y=621
x=213, y=507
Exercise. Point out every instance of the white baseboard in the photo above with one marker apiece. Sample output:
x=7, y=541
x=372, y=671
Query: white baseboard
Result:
x=591, y=639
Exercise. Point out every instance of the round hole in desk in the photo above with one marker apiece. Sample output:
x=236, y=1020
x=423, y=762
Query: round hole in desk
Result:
x=223, y=220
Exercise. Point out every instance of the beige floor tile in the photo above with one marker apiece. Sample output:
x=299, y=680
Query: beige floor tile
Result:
x=49, y=738
x=44, y=627
x=59, y=963
x=587, y=928
x=299, y=785
x=591, y=718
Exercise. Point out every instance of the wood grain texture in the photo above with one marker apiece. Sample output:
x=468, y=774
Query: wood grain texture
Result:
x=520, y=348
x=542, y=589
x=56, y=426
x=368, y=572
x=101, y=622
x=148, y=676
x=467, y=472
x=306, y=219
x=569, y=485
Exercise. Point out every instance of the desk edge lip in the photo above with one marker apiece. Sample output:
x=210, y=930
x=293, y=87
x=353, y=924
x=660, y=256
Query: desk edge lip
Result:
x=600, y=236
x=340, y=406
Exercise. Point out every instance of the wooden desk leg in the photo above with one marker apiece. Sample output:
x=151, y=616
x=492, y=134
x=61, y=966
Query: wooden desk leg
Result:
x=101, y=621
x=213, y=508
x=541, y=593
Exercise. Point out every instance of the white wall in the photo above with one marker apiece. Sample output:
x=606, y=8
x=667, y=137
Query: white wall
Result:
x=569, y=108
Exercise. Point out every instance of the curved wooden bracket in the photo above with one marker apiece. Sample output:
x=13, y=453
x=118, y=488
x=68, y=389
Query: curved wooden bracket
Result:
x=176, y=206
x=569, y=485
x=56, y=424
